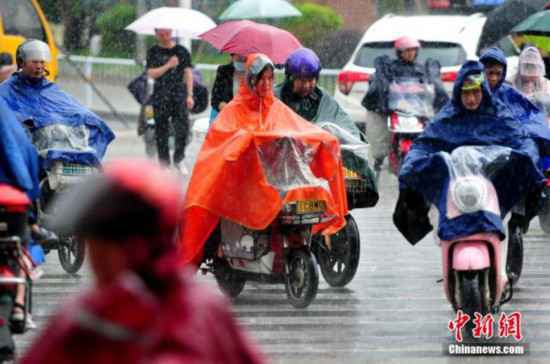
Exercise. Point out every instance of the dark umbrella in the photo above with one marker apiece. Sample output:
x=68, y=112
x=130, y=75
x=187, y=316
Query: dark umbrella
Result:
x=536, y=24
x=502, y=19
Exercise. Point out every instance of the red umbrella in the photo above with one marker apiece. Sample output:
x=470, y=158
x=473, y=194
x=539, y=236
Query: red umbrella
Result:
x=245, y=37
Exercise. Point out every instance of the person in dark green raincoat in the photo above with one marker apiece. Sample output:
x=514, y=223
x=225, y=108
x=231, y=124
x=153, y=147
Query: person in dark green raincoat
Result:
x=301, y=93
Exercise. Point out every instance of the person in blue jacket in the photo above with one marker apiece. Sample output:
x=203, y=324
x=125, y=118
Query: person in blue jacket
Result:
x=472, y=117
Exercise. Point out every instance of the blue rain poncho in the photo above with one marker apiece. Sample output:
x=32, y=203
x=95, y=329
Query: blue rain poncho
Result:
x=18, y=158
x=426, y=173
x=532, y=118
x=61, y=128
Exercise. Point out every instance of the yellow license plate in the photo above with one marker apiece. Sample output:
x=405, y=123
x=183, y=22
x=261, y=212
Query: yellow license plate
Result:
x=349, y=174
x=310, y=206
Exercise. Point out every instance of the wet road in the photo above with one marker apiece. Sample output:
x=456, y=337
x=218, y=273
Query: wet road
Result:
x=394, y=310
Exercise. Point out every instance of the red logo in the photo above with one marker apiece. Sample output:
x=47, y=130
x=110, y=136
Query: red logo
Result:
x=509, y=325
x=483, y=326
x=458, y=324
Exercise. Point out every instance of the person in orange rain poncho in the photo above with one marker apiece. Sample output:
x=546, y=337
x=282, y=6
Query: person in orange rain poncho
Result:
x=229, y=179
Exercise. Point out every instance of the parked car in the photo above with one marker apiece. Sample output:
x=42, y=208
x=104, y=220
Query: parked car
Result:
x=451, y=39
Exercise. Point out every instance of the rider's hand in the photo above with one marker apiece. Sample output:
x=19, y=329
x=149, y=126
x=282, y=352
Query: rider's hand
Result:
x=190, y=102
x=173, y=62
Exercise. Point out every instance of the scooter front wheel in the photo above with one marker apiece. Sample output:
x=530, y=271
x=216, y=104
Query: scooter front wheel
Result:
x=229, y=280
x=302, y=278
x=71, y=252
x=474, y=293
x=339, y=263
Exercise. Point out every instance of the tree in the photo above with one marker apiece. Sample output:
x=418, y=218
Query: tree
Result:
x=78, y=18
x=111, y=24
x=315, y=23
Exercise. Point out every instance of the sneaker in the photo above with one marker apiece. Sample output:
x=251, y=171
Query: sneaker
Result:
x=30, y=324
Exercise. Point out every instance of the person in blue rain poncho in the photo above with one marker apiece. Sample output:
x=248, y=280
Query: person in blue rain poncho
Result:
x=522, y=108
x=473, y=117
x=18, y=158
x=39, y=103
x=36, y=104
x=19, y=167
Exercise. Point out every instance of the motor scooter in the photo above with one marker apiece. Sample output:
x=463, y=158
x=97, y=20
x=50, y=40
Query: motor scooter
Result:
x=477, y=266
x=410, y=103
x=14, y=266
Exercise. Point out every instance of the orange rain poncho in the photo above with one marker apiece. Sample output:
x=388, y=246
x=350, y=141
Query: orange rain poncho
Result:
x=233, y=177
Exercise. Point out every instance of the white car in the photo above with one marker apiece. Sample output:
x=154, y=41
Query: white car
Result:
x=450, y=39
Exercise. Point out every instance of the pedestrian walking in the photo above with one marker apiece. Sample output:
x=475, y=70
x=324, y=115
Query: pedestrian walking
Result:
x=169, y=64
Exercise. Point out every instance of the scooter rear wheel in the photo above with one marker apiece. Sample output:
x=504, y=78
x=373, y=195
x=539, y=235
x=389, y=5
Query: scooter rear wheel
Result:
x=71, y=252
x=339, y=264
x=302, y=279
x=514, y=259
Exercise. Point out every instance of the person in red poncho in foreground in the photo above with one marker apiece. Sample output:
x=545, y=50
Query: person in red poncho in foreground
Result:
x=228, y=180
x=142, y=308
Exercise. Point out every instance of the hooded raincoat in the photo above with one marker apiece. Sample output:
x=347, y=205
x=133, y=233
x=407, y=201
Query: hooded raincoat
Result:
x=531, y=65
x=240, y=171
x=423, y=178
x=531, y=116
x=41, y=104
x=152, y=313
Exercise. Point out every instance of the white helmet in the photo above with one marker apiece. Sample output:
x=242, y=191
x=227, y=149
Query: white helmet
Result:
x=32, y=50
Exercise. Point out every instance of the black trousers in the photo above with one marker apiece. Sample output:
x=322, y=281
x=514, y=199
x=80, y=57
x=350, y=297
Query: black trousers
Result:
x=171, y=112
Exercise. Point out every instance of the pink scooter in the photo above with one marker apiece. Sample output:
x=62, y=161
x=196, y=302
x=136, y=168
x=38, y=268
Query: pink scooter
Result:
x=474, y=267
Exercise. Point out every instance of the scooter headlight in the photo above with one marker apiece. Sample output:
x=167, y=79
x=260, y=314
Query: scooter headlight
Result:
x=469, y=194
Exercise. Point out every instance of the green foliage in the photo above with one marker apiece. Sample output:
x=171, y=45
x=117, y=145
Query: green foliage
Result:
x=51, y=10
x=315, y=23
x=115, y=39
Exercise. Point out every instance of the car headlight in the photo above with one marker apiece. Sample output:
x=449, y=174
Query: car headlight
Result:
x=469, y=194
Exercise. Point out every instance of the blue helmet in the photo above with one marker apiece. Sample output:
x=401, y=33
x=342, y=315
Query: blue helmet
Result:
x=303, y=63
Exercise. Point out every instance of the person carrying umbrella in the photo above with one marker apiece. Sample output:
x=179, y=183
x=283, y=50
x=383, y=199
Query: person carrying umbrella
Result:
x=300, y=92
x=169, y=64
x=226, y=83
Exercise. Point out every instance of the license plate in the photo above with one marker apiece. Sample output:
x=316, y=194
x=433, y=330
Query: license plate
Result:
x=76, y=170
x=349, y=174
x=310, y=206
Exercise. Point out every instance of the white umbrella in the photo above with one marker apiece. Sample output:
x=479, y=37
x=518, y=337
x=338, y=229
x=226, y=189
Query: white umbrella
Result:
x=255, y=9
x=186, y=22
